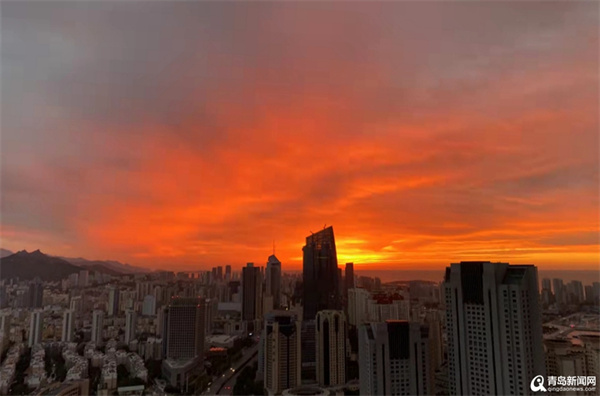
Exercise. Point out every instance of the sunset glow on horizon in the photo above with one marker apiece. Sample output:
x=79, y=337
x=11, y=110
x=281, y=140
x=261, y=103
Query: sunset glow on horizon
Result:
x=187, y=135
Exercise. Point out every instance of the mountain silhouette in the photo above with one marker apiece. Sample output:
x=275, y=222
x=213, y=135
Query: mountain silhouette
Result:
x=25, y=265
x=110, y=267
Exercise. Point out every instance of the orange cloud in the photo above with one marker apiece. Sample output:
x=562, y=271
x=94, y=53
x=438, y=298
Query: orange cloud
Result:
x=423, y=133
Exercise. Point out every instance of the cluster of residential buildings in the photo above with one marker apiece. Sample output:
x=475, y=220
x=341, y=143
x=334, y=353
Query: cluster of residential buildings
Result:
x=327, y=330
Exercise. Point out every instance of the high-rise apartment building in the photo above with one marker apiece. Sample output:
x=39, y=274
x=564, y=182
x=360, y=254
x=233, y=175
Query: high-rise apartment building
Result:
x=84, y=278
x=142, y=289
x=130, y=326
x=159, y=328
x=76, y=304
x=575, y=292
x=560, y=295
x=433, y=320
x=211, y=312
x=113, y=301
x=67, y=326
x=573, y=357
x=35, y=327
x=358, y=302
x=3, y=296
x=331, y=348
x=546, y=293
x=149, y=305
x=380, y=311
x=184, y=329
x=494, y=329
x=5, y=323
x=97, y=327
x=546, y=284
x=394, y=359
x=596, y=291
x=281, y=351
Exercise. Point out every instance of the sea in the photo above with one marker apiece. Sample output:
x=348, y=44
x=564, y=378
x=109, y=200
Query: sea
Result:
x=587, y=277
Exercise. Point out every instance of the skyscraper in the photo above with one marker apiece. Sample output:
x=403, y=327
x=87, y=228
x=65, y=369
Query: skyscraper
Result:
x=130, y=326
x=35, y=327
x=494, y=328
x=281, y=351
x=560, y=296
x=113, y=301
x=596, y=290
x=252, y=295
x=228, y=272
x=36, y=293
x=273, y=281
x=67, y=326
x=184, y=329
x=3, y=296
x=546, y=294
x=435, y=344
x=97, y=327
x=394, y=359
x=320, y=292
x=142, y=289
x=331, y=348
x=349, y=278
x=320, y=274
x=160, y=323
x=5, y=322
x=546, y=284
x=575, y=292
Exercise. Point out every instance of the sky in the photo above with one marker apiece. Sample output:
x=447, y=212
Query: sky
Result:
x=186, y=135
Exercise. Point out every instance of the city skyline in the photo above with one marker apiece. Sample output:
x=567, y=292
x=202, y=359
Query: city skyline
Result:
x=193, y=134
x=484, y=328
x=299, y=198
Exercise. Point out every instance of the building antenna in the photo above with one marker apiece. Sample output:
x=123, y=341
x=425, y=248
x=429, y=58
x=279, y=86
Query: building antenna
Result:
x=273, y=247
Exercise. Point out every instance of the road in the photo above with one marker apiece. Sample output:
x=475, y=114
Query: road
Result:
x=218, y=386
x=227, y=387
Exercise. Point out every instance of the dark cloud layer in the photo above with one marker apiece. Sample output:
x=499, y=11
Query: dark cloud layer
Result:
x=194, y=133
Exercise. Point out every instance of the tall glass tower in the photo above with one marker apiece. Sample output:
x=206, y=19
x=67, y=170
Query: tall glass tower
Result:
x=320, y=274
